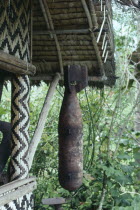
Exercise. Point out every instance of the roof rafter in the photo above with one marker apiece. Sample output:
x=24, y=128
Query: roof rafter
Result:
x=50, y=26
x=94, y=42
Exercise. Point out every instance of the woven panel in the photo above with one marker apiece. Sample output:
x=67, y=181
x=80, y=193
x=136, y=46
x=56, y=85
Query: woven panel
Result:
x=14, y=40
x=20, y=125
x=14, y=24
x=24, y=203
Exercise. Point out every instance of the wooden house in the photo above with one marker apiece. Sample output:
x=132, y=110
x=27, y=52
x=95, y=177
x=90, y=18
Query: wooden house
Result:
x=38, y=39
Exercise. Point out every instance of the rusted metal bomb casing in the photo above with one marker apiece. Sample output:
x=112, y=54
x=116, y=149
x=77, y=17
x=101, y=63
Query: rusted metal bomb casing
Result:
x=70, y=142
x=70, y=129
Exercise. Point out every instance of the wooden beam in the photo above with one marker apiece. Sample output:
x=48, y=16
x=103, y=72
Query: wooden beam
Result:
x=69, y=31
x=50, y=78
x=17, y=193
x=15, y=184
x=15, y=65
x=93, y=14
x=53, y=201
x=50, y=26
x=94, y=42
x=42, y=120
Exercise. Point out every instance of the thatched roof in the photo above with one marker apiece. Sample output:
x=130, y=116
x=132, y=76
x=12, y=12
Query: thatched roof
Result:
x=73, y=32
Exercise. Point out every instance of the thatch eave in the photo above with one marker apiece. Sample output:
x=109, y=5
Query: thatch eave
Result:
x=67, y=32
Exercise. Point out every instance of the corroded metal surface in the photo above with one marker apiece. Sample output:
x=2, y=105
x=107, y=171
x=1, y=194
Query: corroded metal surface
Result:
x=70, y=142
x=76, y=76
x=70, y=138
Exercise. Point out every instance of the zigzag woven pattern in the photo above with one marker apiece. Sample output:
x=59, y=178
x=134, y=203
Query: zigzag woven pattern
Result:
x=14, y=39
x=24, y=203
x=20, y=125
x=14, y=25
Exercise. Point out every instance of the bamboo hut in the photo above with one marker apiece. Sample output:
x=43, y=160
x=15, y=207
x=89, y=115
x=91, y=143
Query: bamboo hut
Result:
x=38, y=39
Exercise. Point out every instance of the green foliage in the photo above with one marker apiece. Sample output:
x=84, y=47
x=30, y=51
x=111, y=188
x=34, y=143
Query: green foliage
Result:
x=5, y=107
x=110, y=151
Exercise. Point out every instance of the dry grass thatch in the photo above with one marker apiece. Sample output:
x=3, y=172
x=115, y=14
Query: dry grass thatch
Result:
x=73, y=32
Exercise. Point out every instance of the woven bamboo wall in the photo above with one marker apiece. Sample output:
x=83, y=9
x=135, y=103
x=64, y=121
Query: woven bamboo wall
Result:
x=14, y=40
x=14, y=28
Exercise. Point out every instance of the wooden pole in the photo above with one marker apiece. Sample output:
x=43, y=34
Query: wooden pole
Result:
x=49, y=23
x=15, y=184
x=93, y=14
x=94, y=42
x=69, y=31
x=15, y=65
x=18, y=193
x=56, y=202
x=42, y=119
x=45, y=77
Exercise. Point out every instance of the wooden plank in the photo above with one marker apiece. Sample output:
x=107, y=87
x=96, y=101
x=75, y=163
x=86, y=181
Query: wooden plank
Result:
x=64, y=53
x=53, y=201
x=15, y=184
x=64, y=48
x=21, y=191
x=50, y=78
x=42, y=119
x=15, y=65
x=74, y=31
x=72, y=58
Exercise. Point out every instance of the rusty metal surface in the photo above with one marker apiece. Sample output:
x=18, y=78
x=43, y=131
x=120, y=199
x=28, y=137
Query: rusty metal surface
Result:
x=70, y=142
x=70, y=137
x=76, y=75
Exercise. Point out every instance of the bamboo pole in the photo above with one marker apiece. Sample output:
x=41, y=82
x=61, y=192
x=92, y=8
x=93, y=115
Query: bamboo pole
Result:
x=18, y=193
x=68, y=31
x=49, y=23
x=31, y=32
x=102, y=200
x=15, y=184
x=94, y=42
x=15, y=65
x=45, y=15
x=45, y=77
x=93, y=14
x=42, y=119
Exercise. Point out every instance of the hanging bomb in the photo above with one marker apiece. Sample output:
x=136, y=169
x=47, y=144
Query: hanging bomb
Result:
x=70, y=132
